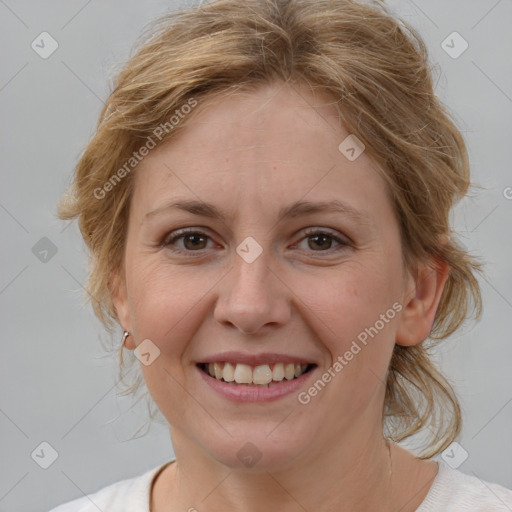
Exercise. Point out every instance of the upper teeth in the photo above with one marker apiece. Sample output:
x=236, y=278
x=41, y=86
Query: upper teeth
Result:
x=262, y=374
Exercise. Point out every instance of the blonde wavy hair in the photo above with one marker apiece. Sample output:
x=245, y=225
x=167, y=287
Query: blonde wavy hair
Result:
x=375, y=68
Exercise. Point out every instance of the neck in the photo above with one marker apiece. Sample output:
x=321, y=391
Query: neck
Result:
x=342, y=476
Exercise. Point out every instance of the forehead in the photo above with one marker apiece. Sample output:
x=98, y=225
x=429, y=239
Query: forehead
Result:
x=260, y=149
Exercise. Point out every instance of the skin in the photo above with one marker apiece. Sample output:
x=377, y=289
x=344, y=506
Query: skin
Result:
x=250, y=155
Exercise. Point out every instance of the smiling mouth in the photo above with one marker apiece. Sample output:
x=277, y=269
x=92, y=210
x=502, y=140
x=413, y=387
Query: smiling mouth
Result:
x=263, y=375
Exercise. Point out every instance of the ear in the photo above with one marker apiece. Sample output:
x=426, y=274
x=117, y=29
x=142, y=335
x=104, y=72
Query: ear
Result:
x=120, y=300
x=420, y=301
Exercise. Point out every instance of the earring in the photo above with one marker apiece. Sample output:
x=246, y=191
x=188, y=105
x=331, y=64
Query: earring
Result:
x=125, y=335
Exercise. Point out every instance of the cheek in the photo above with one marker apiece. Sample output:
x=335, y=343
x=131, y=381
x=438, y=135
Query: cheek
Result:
x=164, y=301
x=350, y=298
x=354, y=320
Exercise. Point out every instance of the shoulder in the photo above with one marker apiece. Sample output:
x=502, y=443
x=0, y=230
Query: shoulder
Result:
x=454, y=491
x=115, y=497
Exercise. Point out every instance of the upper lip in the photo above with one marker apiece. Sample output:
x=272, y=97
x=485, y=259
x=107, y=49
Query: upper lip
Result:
x=254, y=359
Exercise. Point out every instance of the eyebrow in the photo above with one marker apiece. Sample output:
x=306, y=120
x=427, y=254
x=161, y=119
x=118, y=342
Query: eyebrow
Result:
x=296, y=209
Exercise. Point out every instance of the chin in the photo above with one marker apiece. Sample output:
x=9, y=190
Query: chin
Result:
x=256, y=453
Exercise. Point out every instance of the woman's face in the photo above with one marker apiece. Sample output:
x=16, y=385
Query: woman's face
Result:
x=257, y=288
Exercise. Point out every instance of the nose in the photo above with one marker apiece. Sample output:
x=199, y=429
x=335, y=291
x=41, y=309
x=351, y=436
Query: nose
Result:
x=253, y=297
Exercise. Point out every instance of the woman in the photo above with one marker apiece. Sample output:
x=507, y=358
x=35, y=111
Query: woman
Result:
x=266, y=200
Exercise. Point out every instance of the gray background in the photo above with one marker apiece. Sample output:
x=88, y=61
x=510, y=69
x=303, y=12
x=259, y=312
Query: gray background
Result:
x=56, y=386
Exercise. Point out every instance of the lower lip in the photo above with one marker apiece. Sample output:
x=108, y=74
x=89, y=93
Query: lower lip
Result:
x=247, y=393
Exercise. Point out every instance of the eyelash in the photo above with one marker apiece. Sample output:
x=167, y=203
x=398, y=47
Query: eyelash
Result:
x=309, y=232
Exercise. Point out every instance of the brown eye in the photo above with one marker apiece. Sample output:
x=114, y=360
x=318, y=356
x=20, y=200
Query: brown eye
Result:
x=193, y=241
x=322, y=241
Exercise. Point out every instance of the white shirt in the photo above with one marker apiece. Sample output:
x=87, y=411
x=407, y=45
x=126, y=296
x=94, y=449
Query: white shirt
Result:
x=451, y=491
